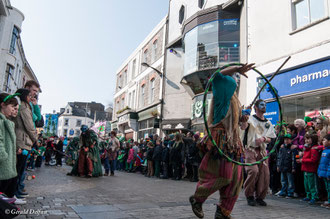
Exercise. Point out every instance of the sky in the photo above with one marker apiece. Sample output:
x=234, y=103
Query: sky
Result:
x=75, y=47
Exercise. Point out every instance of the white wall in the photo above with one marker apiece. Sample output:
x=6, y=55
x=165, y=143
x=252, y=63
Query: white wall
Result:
x=72, y=124
x=271, y=39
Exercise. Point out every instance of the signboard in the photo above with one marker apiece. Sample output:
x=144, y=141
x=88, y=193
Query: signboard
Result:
x=51, y=122
x=71, y=132
x=307, y=78
x=272, y=112
x=123, y=118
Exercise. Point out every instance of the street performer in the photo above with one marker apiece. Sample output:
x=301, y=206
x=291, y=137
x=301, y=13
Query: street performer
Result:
x=215, y=172
x=89, y=163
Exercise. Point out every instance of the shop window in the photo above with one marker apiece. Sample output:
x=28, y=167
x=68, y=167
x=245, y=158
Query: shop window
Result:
x=65, y=132
x=77, y=132
x=306, y=105
x=181, y=14
x=306, y=12
x=201, y=3
x=8, y=78
x=13, y=40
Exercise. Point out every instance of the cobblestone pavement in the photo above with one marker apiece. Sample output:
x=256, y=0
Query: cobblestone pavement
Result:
x=131, y=195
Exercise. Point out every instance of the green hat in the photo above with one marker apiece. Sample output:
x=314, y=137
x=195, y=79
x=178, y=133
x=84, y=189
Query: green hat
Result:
x=287, y=136
x=307, y=119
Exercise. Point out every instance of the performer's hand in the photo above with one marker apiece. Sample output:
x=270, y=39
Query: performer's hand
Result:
x=245, y=68
x=278, y=169
x=86, y=149
x=19, y=151
x=259, y=141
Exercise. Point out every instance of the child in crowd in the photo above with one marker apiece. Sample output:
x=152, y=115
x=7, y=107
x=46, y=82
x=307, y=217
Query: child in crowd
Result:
x=120, y=159
x=40, y=154
x=324, y=168
x=130, y=159
x=309, y=166
x=286, y=164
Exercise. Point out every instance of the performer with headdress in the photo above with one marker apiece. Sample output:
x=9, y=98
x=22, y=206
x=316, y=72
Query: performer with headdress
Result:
x=89, y=162
x=216, y=173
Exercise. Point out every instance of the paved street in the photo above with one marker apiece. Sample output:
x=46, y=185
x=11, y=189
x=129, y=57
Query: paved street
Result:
x=130, y=195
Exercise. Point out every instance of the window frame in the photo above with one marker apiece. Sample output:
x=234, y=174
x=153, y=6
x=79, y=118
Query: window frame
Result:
x=66, y=122
x=201, y=3
x=152, y=91
x=14, y=37
x=77, y=122
x=154, y=51
x=142, y=95
x=8, y=77
x=182, y=14
x=295, y=28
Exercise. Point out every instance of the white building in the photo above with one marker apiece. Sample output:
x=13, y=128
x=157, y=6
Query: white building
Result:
x=71, y=119
x=296, y=28
x=14, y=67
x=138, y=96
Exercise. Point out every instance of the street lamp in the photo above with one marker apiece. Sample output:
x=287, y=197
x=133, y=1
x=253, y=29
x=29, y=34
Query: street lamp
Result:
x=148, y=66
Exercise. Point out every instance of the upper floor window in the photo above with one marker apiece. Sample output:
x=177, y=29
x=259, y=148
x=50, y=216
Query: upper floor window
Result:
x=133, y=99
x=14, y=38
x=78, y=124
x=68, y=110
x=129, y=99
x=8, y=78
x=66, y=122
x=181, y=14
x=201, y=3
x=308, y=11
x=133, y=68
x=142, y=96
x=154, y=51
x=152, y=91
x=125, y=78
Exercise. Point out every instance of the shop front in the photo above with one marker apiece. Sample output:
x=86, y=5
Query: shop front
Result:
x=148, y=122
x=304, y=91
x=127, y=124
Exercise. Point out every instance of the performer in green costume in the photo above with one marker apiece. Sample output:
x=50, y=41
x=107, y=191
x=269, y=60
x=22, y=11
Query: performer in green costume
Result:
x=89, y=162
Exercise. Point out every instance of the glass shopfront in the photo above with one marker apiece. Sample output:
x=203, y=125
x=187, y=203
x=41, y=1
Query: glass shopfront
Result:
x=304, y=91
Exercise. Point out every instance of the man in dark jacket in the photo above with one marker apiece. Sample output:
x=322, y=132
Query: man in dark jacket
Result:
x=286, y=164
x=165, y=160
x=157, y=157
x=59, y=152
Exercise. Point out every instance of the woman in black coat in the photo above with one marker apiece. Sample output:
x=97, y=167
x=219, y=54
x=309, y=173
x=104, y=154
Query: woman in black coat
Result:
x=176, y=157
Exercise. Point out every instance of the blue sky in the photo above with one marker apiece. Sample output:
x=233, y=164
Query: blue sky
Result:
x=76, y=46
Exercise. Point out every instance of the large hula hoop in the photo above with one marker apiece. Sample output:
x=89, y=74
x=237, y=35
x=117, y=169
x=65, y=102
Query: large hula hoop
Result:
x=208, y=85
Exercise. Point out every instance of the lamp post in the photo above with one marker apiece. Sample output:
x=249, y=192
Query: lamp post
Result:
x=148, y=66
x=161, y=74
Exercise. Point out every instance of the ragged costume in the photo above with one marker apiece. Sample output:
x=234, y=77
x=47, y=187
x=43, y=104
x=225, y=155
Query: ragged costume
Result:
x=89, y=162
x=216, y=173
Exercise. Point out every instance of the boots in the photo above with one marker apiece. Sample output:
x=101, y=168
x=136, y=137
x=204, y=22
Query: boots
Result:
x=219, y=214
x=196, y=207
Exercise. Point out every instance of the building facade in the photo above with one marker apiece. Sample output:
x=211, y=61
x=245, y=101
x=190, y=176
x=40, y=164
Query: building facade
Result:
x=138, y=96
x=14, y=67
x=301, y=30
x=202, y=36
x=76, y=114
